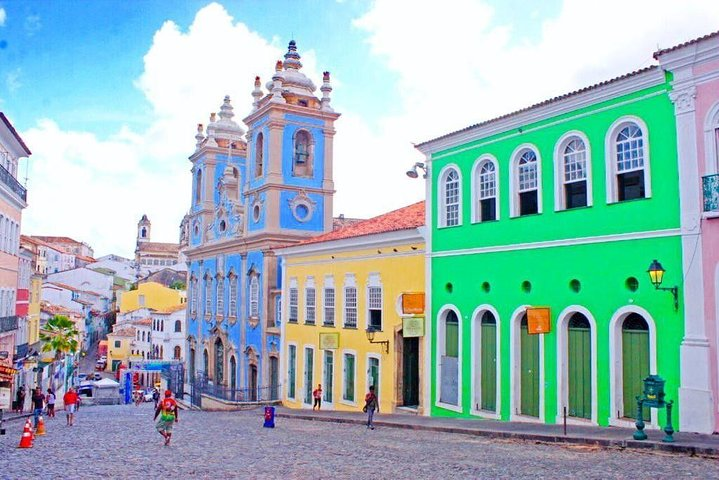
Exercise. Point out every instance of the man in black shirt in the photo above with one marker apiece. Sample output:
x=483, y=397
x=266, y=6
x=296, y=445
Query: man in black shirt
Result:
x=38, y=401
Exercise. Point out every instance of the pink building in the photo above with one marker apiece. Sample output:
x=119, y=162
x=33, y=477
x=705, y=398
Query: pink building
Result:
x=13, y=197
x=695, y=69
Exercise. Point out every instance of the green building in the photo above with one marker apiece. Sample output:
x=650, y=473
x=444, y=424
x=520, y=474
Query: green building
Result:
x=562, y=205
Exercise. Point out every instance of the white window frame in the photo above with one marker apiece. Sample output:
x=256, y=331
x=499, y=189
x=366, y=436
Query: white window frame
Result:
x=711, y=140
x=220, y=289
x=313, y=348
x=310, y=301
x=378, y=388
x=374, y=281
x=514, y=179
x=610, y=147
x=441, y=350
x=354, y=376
x=441, y=196
x=476, y=365
x=208, y=294
x=559, y=181
x=329, y=284
x=291, y=344
x=515, y=362
x=350, y=282
x=325, y=387
x=232, y=300
x=476, y=187
x=293, y=292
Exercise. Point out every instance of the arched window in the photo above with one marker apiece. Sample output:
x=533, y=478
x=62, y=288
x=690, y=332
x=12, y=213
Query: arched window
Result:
x=143, y=233
x=198, y=187
x=450, y=198
x=303, y=154
x=629, y=161
x=143, y=336
x=526, y=180
x=162, y=352
x=205, y=361
x=162, y=325
x=259, y=154
x=208, y=294
x=232, y=300
x=573, y=170
x=449, y=359
x=178, y=352
x=178, y=326
x=254, y=296
x=233, y=373
x=485, y=191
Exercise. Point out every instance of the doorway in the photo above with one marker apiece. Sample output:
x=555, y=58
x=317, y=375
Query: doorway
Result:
x=410, y=372
x=253, y=383
x=274, y=378
x=529, y=361
x=579, y=367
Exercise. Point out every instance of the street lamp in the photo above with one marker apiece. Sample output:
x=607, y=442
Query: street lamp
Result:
x=656, y=275
x=370, y=337
x=412, y=172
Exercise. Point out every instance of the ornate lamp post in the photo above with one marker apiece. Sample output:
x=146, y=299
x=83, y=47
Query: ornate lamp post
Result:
x=656, y=275
x=370, y=337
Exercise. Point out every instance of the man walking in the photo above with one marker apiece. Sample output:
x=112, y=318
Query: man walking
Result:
x=38, y=402
x=167, y=410
x=70, y=399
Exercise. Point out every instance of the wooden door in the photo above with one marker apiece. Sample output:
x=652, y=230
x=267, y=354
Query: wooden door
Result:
x=579, y=367
x=410, y=371
x=635, y=362
x=529, y=371
x=488, y=358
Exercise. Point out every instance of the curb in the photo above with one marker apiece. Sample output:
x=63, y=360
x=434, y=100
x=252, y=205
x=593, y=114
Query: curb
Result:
x=677, y=448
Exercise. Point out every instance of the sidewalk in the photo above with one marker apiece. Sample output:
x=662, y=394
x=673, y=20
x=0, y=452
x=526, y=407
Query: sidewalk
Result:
x=687, y=443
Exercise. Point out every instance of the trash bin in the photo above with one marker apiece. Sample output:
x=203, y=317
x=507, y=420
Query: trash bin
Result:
x=269, y=417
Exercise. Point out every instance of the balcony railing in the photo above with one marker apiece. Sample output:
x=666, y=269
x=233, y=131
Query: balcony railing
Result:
x=710, y=187
x=8, y=324
x=13, y=184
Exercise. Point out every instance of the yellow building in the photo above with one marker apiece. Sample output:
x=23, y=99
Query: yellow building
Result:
x=342, y=289
x=119, y=345
x=33, y=310
x=150, y=295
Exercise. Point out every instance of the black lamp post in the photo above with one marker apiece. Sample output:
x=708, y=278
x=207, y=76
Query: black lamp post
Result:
x=370, y=337
x=412, y=172
x=656, y=275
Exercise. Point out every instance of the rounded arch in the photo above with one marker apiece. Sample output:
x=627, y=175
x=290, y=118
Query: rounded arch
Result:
x=514, y=187
x=448, y=205
x=616, y=400
x=610, y=150
x=177, y=354
x=447, y=367
x=476, y=365
x=559, y=167
x=303, y=152
x=259, y=154
x=198, y=186
x=178, y=326
x=711, y=139
x=476, y=188
x=515, y=367
x=563, y=360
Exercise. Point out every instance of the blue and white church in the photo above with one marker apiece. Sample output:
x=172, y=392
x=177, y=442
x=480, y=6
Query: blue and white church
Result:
x=253, y=191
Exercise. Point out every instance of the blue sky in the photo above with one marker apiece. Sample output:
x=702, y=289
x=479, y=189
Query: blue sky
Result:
x=107, y=93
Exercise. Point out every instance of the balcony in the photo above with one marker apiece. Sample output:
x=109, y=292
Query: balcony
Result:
x=8, y=324
x=7, y=178
x=710, y=187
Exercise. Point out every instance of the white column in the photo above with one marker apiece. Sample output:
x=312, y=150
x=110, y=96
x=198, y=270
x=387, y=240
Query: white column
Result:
x=695, y=396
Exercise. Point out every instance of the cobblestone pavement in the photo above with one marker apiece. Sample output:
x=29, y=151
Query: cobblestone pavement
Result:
x=120, y=442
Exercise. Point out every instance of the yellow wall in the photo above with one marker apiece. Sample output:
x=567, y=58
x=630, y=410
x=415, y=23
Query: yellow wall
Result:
x=399, y=272
x=33, y=311
x=156, y=296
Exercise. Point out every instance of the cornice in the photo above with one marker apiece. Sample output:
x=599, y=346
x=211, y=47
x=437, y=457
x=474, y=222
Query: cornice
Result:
x=634, y=83
x=283, y=186
x=289, y=108
x=378, y=240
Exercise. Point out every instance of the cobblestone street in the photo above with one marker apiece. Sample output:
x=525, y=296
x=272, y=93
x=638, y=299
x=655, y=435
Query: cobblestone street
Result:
x=120, y=442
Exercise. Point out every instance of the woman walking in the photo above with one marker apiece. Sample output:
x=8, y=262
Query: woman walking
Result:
x=370, y=405
x=50, y=401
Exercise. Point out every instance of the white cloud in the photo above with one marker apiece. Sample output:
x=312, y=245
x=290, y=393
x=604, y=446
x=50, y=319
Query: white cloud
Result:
x=3, y=17
x=12, y=80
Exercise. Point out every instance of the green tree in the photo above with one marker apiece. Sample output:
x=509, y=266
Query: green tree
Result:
x=59, y=336
x=178, y=285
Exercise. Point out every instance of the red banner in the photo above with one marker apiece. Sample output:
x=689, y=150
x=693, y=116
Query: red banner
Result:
x=7, y=373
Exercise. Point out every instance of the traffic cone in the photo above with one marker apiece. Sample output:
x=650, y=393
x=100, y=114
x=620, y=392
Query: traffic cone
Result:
x=28, y=425
x=26, y=439
x=40, y=426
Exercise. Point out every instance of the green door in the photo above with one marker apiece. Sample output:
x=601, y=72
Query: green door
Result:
x=529, y=372
x=579, y=367
x=488, y=357
x=309, y=374
x=410, y=371
x=329, y=375
x=635, y=362
x=373, y=375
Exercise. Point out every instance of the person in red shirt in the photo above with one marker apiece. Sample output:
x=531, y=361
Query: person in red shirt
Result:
x=317, y=395
x=167, y=410
x=70, y=400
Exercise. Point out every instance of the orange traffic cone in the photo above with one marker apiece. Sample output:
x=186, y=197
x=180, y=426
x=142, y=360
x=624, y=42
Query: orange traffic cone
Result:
x=40, y=430
x=28, y=425
x=26, y=439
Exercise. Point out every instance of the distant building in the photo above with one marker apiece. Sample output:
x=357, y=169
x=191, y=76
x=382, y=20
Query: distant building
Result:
x=150, y=295
x=45, y=257
x=152, y=256
x=68, y=245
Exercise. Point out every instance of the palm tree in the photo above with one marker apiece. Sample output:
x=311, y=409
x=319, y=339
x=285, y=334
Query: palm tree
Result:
x=59, y=336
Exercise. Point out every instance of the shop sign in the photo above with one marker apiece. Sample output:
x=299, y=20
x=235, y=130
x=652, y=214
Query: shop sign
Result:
x=4, y=398
x=538, y=320
x=413, y=303
x=7, y=373
x=329, y=341
x=413, y=327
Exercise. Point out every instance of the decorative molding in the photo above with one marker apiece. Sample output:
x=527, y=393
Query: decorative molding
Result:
x=683, y=100
x=302, y=200
x=670, y=232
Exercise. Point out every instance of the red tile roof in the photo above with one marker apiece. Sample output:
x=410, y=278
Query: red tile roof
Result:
x=142, y=321
x=14, y=132
x=541, y=104
x=685, y=44
x=402, y=219
x=51, y=239
x=173, y=309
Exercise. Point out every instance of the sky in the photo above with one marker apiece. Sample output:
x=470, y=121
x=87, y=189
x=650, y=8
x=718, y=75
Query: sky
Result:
x=107, y=93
